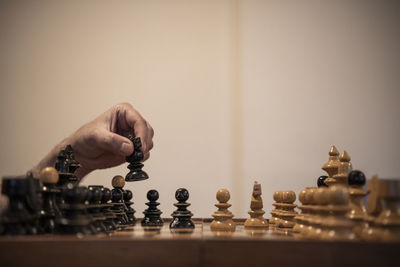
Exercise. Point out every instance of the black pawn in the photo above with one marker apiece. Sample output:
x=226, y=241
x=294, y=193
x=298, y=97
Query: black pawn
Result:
x=135, y=166
x=17, y=219
x=94, y=208
x=356, y=178
x=182, y=216
x=75, y=219
x=130, y=212
x=34, y=201
x=152, y=213
x=321, y=181
x=50, y=211
x=106, y=210
x=117, y=199
x=86, y=208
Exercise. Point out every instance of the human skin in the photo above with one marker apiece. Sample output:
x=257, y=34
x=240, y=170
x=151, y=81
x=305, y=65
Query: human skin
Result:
x=103, y=143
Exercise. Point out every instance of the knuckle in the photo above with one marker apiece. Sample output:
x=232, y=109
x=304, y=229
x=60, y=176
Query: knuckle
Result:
x=124, y=105
x=141, y=121
x=150, y=146
x=151, y=130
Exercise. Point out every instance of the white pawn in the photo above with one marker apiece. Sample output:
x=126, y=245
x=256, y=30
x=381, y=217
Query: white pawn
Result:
x=223, y=217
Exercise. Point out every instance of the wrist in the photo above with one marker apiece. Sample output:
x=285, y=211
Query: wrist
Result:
x=50, y=159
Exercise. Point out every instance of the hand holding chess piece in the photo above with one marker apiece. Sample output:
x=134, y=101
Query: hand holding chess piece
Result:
x=102, y=143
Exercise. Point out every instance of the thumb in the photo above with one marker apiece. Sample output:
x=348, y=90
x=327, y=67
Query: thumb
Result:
x=115, y=143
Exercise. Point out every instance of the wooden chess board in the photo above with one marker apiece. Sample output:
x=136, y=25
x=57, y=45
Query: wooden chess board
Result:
x=138, y=246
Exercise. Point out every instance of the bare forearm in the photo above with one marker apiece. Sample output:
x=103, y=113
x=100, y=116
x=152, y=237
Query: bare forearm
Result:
x=50, y=159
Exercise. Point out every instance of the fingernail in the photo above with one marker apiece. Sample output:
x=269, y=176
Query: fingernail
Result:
x=125, y=149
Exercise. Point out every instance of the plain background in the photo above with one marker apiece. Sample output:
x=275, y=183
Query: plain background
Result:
x=236, y=91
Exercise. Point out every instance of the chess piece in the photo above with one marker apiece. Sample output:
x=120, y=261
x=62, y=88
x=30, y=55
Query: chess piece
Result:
x=321, y=181
x=320, y=212
x=373, y=203
x=74, y=219
x=358, y=212
x=332, y=165
x=117, y=199
x=386, y=227
x=34, y=201
x=223, y=217
x=286, y=210
x=300, y=218
x=345, y=168
x=273, y=222
x=106, y=210
x=73, y=164
x=95, y=206
x=336, y=225
x=16, y=219
x=256, y=220
x=66, y=165
x=135, y=166
x=130, y=212
x=182, y=216
x=89, y=195
x=50, y=210
x=152, y=213
x=307, y=216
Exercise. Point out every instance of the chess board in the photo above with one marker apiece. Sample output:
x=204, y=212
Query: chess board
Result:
x=159, y=246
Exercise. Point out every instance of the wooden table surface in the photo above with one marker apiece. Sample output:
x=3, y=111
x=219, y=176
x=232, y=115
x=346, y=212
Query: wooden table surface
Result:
x=138, y=247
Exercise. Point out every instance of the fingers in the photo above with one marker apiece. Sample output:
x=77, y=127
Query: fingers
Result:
x=146, y=156
x=141, y=127
x=104, y=161
x=113, y=142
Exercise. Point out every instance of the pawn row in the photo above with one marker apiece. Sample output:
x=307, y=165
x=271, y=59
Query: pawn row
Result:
x=44, y=206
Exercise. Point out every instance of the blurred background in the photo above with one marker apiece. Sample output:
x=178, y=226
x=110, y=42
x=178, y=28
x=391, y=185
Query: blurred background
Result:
x=236, y=91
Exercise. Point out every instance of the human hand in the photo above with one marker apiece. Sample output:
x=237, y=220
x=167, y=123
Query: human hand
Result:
x=103, y=143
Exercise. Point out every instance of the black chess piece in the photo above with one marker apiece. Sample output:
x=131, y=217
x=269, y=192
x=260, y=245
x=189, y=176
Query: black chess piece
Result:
x=89, y=195
x=17, y=220
x=94, y=208
x=356, y=177
x=135, y=166
x=182, y=216
x=130, y=212
x=73, y=164
x=321, y=181
x=49, y=210
x=106, y=210
x=34, y=201
x=61, y=166
x=74, y=219
x=66, y=165
x=117, y=199
x=152, y=215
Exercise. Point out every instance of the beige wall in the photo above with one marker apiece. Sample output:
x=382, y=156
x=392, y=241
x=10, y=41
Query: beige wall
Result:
x=235, y=90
